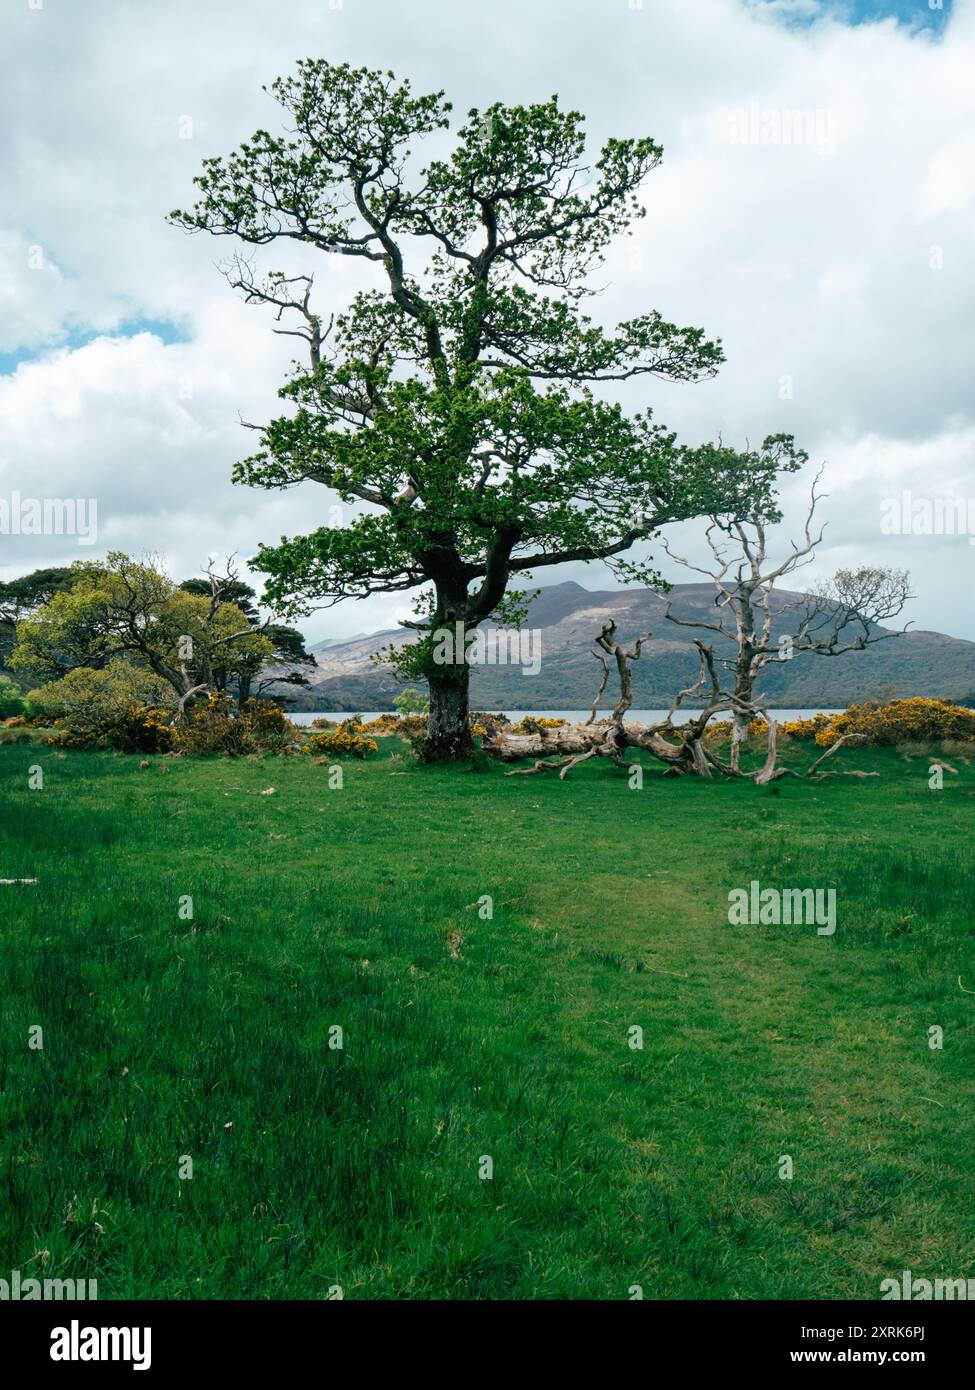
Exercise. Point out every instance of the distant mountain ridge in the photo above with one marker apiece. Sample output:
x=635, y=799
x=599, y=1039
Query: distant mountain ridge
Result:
x=569, y=617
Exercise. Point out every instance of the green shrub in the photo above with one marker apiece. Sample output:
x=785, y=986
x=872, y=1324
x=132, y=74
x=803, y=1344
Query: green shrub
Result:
x=215, y=727
x=269, y=730
x=412, y=726
x=11, y=700
x=210, y=727
x=119, y=706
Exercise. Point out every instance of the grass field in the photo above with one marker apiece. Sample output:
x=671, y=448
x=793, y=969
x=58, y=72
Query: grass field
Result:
x=358, y=1167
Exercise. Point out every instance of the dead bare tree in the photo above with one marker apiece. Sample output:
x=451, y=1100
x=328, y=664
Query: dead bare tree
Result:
x=681, y=746
x=841, y=615
x=203, y=651
x=275, y=289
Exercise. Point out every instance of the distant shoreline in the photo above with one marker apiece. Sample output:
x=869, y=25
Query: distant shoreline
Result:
x=640, y=716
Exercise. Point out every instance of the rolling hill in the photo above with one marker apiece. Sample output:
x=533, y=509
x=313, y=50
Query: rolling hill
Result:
x=568, y=617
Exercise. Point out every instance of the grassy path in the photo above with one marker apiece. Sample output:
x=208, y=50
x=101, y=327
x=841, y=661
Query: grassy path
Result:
x=466, y=1036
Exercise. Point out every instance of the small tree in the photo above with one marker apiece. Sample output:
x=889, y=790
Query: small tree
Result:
x=132, y=611
x=241, y=671
x=840, y=615
x=453, y=398
x=410, y=701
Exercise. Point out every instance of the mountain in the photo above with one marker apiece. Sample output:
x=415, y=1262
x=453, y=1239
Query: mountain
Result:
x=568, y=617
x=333, y=642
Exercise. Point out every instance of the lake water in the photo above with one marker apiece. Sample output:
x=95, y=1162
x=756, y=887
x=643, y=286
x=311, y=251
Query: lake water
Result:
x=639, y=716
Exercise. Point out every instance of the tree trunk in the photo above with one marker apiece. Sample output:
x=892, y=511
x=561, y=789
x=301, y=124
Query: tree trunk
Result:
x=740, y=720
x=448, y=723
x=448, y=676
x=739, y=737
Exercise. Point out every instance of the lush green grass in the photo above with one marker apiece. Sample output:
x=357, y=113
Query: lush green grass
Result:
x=466, y=1037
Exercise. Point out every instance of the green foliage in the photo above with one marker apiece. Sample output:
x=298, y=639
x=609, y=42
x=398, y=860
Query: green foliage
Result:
x=117, y=706
x=124, y=609
x=235, y=592
x=240, y=667
x=11, y=700
x=22, y=596
x=410, y=701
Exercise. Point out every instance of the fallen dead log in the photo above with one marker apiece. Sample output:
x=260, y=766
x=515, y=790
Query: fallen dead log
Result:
x=569, y=739
x=682, y=747
x=571, y=743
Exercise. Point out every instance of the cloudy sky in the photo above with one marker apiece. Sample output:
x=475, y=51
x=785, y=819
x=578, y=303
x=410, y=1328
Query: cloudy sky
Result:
x=838, y=266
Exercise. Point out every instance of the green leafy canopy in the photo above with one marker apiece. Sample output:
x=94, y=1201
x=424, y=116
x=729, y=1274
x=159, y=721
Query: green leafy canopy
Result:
x=454, y=398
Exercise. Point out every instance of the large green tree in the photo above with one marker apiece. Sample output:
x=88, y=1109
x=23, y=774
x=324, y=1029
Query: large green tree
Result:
x=453, y=398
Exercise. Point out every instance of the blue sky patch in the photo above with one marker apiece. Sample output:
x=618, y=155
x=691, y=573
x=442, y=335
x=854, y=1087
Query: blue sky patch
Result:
x=917, y=14
x=77, y=338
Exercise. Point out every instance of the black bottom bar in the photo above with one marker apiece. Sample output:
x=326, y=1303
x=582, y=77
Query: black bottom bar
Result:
x=256, y=1337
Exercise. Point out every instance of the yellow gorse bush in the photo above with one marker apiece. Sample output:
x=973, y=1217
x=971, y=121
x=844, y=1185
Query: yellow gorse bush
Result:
x=158, y=725
x=340, y=742
x=116, y=706
x=806, y=728
x=915, y=720
x=722, y=728
x=532, y=724
x=215, y=726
